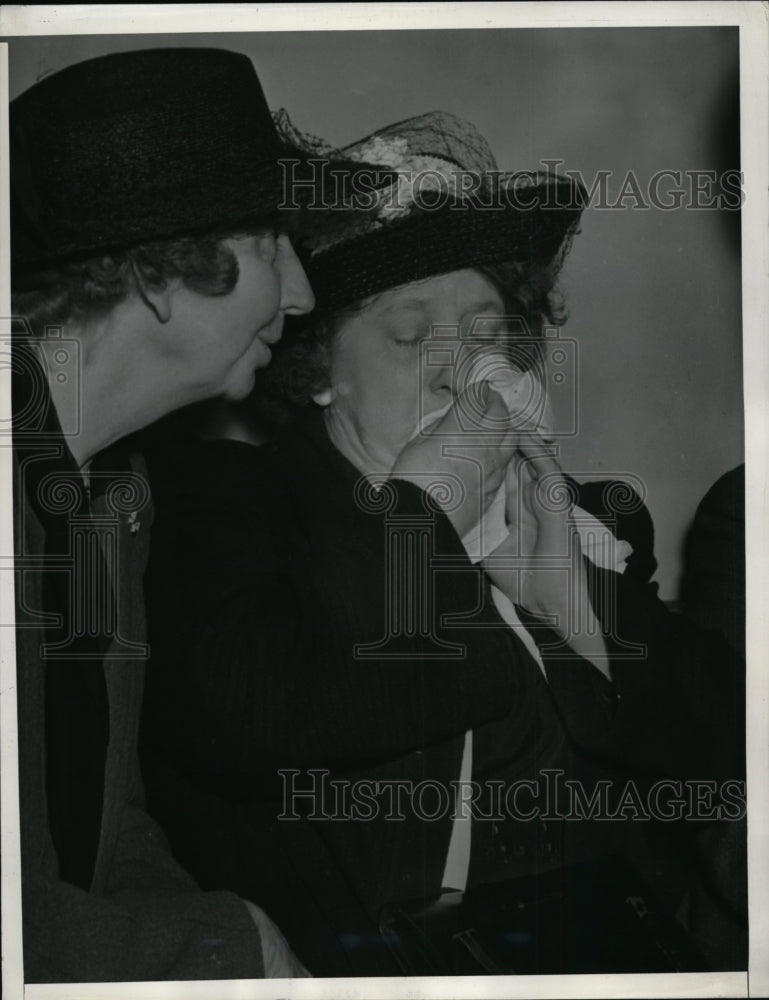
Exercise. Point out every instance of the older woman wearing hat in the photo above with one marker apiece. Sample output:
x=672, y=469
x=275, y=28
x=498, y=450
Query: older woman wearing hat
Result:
x=150, y=269
x=337, y=701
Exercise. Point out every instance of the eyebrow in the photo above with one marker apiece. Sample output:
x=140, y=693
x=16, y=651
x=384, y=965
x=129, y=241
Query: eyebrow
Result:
x=420, y=304
x=485, y=310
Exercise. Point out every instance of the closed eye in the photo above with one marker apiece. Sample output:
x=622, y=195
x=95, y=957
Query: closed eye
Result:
x=412, y=341
x=407, y=333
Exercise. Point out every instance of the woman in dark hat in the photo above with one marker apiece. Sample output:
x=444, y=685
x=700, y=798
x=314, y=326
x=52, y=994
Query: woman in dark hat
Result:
x=151, y=268
x=366, y=702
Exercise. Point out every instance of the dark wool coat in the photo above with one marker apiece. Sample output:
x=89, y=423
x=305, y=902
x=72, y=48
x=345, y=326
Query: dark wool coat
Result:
x=271, y=584
x=103, y=899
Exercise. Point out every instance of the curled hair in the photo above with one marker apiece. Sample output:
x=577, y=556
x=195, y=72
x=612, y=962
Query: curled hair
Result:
x=84, y=290
x=301, y=361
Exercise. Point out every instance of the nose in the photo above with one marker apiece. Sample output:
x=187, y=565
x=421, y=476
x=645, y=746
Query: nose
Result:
x=296, y=296
x=451, y=376
x=441, y=377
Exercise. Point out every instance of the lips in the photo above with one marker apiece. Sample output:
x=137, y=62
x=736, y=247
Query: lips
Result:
x=271, y=336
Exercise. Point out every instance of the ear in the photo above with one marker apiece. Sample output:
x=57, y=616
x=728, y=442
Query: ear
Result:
x=324, y=397
x=156, y=298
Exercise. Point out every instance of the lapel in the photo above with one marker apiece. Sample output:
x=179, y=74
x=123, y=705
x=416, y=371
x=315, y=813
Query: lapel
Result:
x=71, y=581
x=54, y=489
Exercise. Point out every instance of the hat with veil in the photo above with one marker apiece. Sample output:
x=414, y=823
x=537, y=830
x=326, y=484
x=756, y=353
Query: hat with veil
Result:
x=447, y=207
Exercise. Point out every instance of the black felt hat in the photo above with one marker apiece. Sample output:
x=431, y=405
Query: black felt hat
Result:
x=139, y=146
x=449, y=208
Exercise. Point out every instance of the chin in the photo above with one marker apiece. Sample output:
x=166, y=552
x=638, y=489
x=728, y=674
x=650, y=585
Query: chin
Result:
x=239, y=389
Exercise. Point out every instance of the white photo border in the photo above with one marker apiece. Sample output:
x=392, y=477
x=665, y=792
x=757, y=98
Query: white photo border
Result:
x=751, y=18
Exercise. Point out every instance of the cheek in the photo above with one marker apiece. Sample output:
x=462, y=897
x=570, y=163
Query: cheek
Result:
x=267, y=304
x=370, y=380
x=377, y=385
x=393, y=399
x=258, y=300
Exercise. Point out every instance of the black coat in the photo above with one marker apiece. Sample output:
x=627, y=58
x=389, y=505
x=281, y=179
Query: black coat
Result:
x=268, y=591
x=103, y=899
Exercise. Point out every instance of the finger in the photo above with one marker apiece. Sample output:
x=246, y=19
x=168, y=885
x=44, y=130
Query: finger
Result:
x=530, y=426
x=539, y=454
x=546, y=492
x=527, y=424
x=512, y=474
x=495, y=413
x=449, y=423
x=497, y=418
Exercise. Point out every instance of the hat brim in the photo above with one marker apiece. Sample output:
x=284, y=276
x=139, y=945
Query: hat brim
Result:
x=235, y=203
x=425, y=244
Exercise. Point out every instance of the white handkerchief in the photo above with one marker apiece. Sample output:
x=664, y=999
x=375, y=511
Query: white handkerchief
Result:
x=527, y=402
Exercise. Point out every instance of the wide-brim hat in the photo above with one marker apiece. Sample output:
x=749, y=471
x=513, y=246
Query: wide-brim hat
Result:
x=139, y=146
x=448, y=208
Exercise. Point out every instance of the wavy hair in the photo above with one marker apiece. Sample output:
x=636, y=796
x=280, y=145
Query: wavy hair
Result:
x=84, y=290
